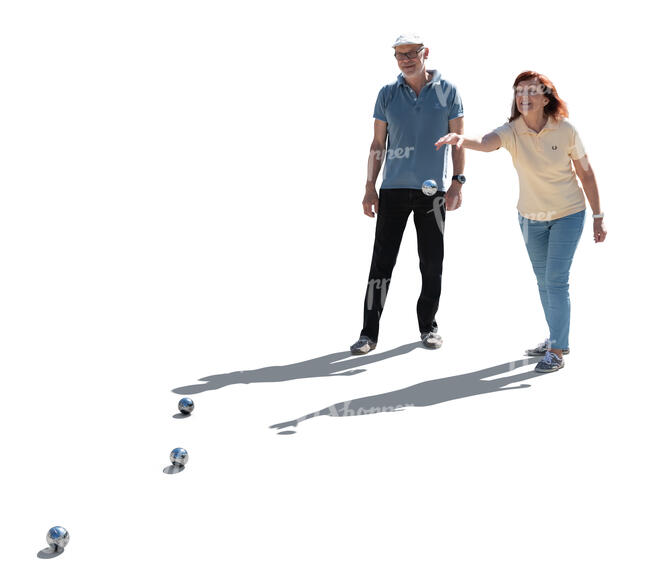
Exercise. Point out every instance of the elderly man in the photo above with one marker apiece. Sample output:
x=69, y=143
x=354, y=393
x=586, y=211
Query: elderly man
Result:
x=410, y=114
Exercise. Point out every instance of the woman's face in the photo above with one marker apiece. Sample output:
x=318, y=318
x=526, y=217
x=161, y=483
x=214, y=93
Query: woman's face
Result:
x=530, y=97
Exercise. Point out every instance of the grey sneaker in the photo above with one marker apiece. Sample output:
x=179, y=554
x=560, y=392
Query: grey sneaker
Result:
x=363, y=345
x=431, y=340
x=541, y=349
x=551, y=362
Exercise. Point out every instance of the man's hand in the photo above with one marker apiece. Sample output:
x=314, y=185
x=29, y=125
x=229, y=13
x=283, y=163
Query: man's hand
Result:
x=599, y=230
x=454, y=196
x=370, y=200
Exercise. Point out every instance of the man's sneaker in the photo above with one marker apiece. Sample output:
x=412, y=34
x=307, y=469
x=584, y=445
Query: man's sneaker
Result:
x=431, y=340
x=541, y=349
x=362, y=346
x=551, y=362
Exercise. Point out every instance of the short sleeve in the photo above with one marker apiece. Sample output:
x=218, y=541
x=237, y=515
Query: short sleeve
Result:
x=507, y=136
x=576, y=149
x=380, y=106
x=456, y=108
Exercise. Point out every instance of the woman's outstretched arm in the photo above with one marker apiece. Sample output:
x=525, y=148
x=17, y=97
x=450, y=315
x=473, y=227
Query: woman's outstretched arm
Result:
x=489, y=142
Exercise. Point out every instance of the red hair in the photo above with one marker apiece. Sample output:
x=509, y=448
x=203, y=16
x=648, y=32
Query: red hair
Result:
x=556, y=107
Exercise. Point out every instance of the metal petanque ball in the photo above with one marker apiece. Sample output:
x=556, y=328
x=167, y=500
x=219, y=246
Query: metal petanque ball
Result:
x=429, y=187
x=57, y=538
x=186, y=406
x=179, y=457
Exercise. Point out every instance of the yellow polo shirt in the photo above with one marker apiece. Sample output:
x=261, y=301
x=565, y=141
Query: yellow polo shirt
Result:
x=548, y=186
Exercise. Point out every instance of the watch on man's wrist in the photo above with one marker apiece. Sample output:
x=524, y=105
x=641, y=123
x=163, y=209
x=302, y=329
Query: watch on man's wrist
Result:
x=460, y=178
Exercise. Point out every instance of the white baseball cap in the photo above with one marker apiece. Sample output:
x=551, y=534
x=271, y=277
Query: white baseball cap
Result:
x=407, y=39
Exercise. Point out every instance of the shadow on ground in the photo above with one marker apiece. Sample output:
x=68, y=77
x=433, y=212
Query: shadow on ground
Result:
x=325, y=366
x=48, y=553
x=427, y=393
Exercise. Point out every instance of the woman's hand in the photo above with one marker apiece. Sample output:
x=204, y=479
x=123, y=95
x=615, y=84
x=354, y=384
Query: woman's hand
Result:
x=450, y=139
x=599, y=230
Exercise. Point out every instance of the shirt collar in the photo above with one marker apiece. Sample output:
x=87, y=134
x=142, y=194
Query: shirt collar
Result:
x=435, y=78
x=521, y=127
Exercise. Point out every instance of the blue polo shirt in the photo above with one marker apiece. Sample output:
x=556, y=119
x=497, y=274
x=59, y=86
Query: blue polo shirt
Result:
x=414, y=124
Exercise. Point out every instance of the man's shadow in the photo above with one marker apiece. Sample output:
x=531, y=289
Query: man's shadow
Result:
x=427, y=393
x=325, y=366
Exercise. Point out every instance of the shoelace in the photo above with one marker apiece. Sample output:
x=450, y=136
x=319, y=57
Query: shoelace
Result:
x=549, y=358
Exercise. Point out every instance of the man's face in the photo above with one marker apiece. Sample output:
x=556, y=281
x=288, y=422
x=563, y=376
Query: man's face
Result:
x=410, y=58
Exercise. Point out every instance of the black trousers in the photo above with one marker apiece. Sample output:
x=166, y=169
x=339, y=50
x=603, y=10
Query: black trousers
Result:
x=395, y=206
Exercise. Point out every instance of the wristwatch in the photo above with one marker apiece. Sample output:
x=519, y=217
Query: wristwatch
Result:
x=460, y=178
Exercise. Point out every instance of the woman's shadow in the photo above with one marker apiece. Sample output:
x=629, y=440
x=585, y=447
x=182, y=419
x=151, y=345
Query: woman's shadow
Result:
x=325, y=366
x=427, y=393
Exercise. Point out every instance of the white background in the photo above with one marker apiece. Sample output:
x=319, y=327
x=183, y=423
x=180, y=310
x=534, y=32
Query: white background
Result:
x=181, y=198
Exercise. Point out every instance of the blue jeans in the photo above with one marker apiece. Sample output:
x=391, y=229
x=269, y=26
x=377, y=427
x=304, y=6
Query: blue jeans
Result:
x=551, y=245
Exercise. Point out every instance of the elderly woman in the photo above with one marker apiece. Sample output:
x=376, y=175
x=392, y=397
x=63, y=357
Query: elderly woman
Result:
x=547, y=154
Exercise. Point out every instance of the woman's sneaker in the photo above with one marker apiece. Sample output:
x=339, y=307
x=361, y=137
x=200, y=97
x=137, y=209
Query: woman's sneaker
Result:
x=551, y=362
x=541, y=349
x=362, y=346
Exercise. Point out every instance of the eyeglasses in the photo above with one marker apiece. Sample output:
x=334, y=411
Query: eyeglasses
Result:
x=401, y=56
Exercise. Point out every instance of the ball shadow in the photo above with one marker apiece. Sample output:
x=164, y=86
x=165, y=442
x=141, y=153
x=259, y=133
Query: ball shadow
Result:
x=48, y=553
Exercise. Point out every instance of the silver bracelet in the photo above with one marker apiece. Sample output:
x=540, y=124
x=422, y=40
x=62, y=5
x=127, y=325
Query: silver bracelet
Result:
x=598, y=215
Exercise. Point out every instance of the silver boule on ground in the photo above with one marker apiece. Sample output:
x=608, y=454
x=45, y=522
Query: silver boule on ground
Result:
x=186, y=406
x=179, y=457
